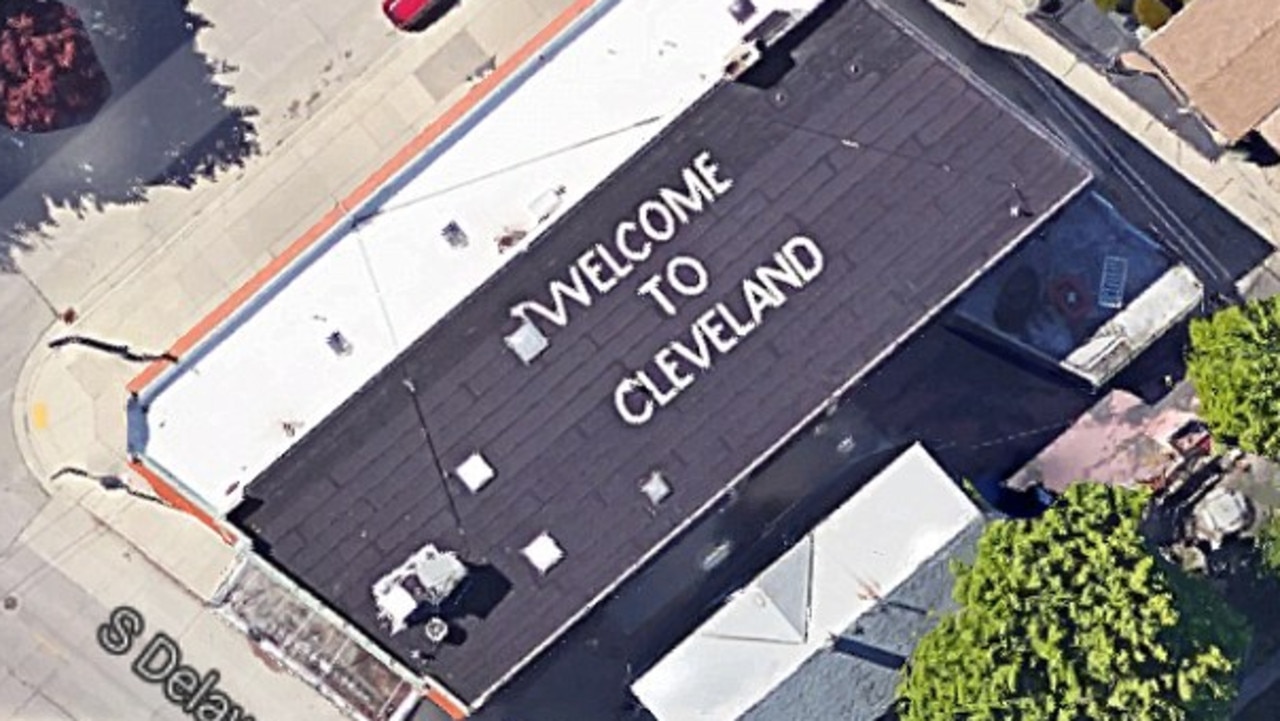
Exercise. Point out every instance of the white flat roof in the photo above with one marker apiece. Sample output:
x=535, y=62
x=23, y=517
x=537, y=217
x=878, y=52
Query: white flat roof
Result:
x=864, y=549
x=219, y=418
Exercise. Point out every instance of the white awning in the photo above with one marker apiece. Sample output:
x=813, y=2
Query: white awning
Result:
x=816, y=590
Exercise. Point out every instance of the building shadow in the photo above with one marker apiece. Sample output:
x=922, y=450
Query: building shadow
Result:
x=1255, y=149
x=777, y=61
x=168, y=122
x=867, y=652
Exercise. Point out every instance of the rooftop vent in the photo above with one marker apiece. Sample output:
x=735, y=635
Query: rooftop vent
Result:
x=741, y=60
x=509, y=237
x=742, y=10
x=338, y=343
x=543, y=552
x=475, y=472
x=436, y=630
x=545, y=205
x=655, y=487
x=1115, y=274
x=454, y=235
x=527, y=342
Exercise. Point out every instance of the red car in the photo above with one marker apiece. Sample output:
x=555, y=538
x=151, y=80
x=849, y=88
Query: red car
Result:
x=406, y=14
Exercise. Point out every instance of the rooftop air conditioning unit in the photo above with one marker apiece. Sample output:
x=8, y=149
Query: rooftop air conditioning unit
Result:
x=741, y=59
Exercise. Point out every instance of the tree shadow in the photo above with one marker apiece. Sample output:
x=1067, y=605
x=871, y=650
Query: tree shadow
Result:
x=1255, y=149
x=168, y=122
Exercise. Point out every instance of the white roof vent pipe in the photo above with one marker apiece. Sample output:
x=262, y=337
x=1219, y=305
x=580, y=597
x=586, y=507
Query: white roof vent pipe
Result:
x=545, y=205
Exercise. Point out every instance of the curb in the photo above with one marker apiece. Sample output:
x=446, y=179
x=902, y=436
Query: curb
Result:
x=132, y=263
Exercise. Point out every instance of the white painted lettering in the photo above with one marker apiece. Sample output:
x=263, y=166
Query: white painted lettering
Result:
x=619, y=270
x=718, y=330
x=661, y=397
x=700, y=357
x=715, y=331
x=626, y=389
x=666, y=221
x=670, y=368
x=560, y=291
x=650, y=289
x=591, y=267
x=657, y=220
x=695, y=279
x=740, y=328
x=709, y=171
x=695, y=198
x=769, y=276
x=629, y=251
x=759, y=299
x=805, y=256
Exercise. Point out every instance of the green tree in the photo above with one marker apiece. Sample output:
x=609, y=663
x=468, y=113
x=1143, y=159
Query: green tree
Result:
x=1235, y=367
x=1069, y=617
x=1152, y=13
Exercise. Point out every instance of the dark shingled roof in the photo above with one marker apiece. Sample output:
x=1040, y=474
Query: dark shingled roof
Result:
x=900, y=168
x=852, y=681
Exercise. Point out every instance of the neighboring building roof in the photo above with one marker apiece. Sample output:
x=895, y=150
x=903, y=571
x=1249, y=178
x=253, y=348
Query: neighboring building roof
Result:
x=867, y=564
x=1119, y=441
x=1225, y=57
x=855, y=678
x=901, y=171
x=1087, y=292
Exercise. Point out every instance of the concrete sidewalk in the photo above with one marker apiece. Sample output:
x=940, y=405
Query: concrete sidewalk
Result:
x=1250, y=192
x=57, y=668
x=143, y=275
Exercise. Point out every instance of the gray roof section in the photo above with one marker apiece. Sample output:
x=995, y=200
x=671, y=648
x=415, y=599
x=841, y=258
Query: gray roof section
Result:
x=841, y=685
x=899, y=167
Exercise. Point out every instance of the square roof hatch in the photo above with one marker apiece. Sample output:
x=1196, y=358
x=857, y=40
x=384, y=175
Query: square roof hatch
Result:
x=655, y=487
x=475, y=472
x=543, y=552
x=527, y=342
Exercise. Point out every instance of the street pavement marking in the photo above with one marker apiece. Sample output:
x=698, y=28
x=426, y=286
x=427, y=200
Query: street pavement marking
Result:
x=40, y=416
